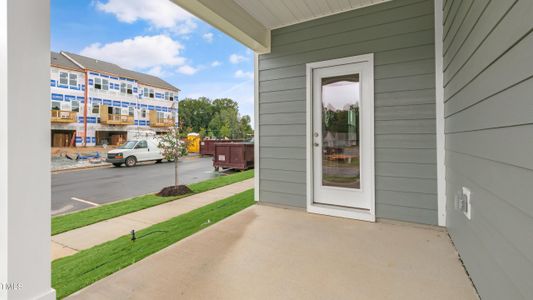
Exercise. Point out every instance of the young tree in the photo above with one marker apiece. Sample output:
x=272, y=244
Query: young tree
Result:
x=172, y=148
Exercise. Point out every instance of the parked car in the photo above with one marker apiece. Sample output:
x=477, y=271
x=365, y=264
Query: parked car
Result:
x=134, y=151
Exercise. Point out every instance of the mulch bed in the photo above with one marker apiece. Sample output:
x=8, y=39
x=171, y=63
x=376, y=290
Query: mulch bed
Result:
x=174, y=191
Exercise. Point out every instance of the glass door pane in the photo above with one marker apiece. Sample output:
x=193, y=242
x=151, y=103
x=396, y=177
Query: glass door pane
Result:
x=341, y=131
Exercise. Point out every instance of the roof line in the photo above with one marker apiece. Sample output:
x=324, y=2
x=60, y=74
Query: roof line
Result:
x=116, y=75
x=66, y=68
x=72, y=60
x=113, y=74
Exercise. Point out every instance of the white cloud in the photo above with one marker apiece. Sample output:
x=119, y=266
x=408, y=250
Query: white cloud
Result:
x=187, y=70
x=158, y=13
x=208, y=37
x=157, y=71
x=243, y=74
x=215, y=63
x=236, y=58
x=141, y=52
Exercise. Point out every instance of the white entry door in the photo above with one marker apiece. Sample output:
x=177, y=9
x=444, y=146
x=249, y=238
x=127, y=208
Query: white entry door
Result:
x=342, y=137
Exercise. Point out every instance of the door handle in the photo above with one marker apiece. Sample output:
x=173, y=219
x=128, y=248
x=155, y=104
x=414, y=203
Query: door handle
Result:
x=316, y=144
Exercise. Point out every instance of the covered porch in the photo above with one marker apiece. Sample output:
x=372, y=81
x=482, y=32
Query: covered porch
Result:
x=267, y=252
x=451, y=88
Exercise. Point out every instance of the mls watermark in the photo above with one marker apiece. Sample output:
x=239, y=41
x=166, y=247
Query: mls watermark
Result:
x=10, y=286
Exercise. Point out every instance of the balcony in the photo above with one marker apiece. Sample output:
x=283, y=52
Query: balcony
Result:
x=160, y=122
x=63, y=116
x=115, y=119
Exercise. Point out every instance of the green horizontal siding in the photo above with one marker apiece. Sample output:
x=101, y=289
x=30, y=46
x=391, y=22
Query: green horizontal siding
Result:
x=488, y=78
x=400, y=33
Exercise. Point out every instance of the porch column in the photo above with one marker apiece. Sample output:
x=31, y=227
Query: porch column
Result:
x=25, y=150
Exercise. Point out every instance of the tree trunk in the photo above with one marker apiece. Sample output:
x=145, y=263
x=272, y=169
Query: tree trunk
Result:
x=176, y=180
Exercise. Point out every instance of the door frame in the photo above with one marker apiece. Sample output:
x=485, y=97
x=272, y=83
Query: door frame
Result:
x=338, y=211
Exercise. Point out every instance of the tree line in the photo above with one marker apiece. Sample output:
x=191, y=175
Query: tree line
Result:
x=217, y=118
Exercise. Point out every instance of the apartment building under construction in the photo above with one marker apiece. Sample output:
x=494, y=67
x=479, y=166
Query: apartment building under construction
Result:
x=121, y=103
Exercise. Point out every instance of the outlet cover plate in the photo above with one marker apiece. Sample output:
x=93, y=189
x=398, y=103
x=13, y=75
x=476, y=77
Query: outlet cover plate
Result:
x=467, y=194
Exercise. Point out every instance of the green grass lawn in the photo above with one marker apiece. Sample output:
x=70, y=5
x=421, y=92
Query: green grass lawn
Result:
x=101, y=213
x=72, y=273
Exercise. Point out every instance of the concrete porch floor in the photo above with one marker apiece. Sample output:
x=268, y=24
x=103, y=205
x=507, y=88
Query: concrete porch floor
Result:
x=266, y=252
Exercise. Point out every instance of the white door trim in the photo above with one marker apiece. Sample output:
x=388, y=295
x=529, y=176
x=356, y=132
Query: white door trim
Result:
x=353, y=213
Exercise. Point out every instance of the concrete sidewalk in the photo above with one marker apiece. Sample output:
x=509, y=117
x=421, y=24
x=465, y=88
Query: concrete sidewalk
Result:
x=70, y=242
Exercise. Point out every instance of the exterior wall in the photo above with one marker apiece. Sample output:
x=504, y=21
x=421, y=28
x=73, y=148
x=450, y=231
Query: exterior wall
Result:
x=401, y=35
x=488, y=79
x=112, y=98
x=65, y=95
x=158, y=103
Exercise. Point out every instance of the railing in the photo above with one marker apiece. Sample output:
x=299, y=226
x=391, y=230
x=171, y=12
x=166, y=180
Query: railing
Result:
x=63, y=116
x=162, y=122
x=113, y=119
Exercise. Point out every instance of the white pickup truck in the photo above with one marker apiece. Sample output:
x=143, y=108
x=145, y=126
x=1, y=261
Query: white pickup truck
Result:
x=134, y=151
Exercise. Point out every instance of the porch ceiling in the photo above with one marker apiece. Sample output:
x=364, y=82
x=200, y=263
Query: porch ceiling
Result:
x=280, y=13
x=250, y=21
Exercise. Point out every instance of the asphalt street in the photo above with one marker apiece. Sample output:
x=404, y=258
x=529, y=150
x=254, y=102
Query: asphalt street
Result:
x=75, y=190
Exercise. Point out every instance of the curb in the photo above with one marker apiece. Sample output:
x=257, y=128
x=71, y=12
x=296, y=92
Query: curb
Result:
x=107, y=165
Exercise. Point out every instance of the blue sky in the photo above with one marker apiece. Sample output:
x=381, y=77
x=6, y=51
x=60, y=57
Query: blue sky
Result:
x=157, y=37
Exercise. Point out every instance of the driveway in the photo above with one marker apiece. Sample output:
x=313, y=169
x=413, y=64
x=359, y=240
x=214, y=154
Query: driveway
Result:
x=75, y=190
x=274, y=253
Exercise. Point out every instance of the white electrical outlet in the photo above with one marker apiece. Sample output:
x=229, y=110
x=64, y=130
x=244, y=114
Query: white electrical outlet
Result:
x=467, y=206
x=462, y=202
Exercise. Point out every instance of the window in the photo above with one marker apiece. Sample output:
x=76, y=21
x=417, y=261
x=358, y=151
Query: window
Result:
x=130, y=90
x=167, y=96
x=151, y=93
x=96, y=108
x=160, y=115
x=145, y=92
x=98, y=83
x=56, y=105
x=131, y=111
x=105, y=84
x=171, y=98
x=63, y=78
x=73, y=79
x=143, y=113
x=76, y=106
x=115, y=110
x=123, y=88
x=141, y=145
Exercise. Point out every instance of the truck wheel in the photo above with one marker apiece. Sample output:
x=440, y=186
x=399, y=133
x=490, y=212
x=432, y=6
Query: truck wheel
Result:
x=131, y=161
x=117, y=164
